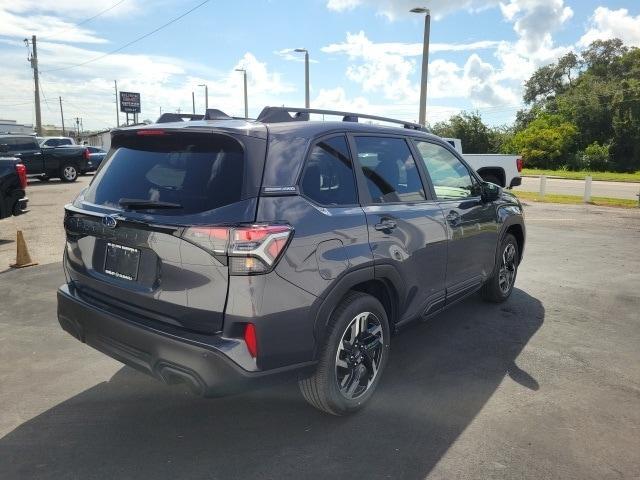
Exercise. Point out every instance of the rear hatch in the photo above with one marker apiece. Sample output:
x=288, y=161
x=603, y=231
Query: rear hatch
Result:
x=134, y=236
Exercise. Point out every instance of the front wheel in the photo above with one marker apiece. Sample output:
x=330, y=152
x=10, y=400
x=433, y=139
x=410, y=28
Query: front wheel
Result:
x=499, y=287
x=68, y=173
x=353, y=358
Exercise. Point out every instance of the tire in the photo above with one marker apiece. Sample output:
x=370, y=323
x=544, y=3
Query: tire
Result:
x=362, y=371
x=68, y=173
x=492, y=179
x=499, y=287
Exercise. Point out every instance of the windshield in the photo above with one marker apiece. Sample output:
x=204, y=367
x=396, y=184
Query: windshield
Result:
x=195, y=172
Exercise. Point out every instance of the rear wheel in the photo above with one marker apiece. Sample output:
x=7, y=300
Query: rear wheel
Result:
x=499, y=287
x=68, y=172
x=353, y=358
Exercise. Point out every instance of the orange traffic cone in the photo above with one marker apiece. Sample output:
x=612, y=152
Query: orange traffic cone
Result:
x=23, y=259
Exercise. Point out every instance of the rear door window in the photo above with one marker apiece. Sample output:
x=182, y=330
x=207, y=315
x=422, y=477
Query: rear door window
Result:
x=390, y=170
x=328, y=175
x=19, y=144
x=196, y=172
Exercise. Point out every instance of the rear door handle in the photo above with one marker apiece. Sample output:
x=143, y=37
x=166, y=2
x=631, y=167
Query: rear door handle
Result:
x=385, y=225
x=453, y=218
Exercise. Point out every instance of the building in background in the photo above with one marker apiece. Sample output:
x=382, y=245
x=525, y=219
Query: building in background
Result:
x=12, y=126
x=101, y=139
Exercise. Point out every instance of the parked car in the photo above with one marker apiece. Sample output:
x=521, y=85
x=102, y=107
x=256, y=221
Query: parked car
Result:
x=225, y=253
x=65, y=163
x=503, y=170
x=56, y=141
x=13, y=185
x=96, y=155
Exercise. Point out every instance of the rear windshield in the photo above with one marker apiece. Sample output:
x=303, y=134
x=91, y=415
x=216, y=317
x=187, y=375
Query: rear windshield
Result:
x=194, y=173
x=18, y=144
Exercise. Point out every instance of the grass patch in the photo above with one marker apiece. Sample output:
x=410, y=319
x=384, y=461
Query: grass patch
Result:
x=576, y=200
x=607, y=176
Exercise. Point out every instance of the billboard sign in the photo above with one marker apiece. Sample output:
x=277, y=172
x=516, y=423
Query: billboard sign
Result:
x=129, y=102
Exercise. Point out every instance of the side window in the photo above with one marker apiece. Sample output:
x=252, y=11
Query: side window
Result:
x=390, y=170
x=328, y=174
x=450, y=177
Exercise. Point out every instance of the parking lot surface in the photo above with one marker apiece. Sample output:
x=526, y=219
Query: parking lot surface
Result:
x=546, y=385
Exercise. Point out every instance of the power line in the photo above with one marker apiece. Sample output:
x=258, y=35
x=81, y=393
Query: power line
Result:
x=86, y=20
x=173, y=20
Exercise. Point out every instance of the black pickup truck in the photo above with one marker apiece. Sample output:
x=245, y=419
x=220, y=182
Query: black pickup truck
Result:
x=65, y=163
x=13, y=184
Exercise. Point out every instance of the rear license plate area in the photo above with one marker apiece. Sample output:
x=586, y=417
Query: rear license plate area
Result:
x=122, y=262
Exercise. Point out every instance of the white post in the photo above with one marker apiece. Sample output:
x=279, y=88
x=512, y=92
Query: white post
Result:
x=543, y=185
x=587, y=190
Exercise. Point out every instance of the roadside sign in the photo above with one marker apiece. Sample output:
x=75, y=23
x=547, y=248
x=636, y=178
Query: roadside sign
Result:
x=129, y=102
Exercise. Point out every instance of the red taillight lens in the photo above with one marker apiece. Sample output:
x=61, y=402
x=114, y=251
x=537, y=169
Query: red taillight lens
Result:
x=519, y=163
x=251, y=339
x=150, y=132
x=21, y=170
x=251, y=250
x=86, y=154
x=212, y=239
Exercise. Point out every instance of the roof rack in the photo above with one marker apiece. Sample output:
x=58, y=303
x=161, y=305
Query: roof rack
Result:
x=210, y=114
x=283, y=114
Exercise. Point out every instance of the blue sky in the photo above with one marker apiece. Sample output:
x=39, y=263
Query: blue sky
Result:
x=365, y=53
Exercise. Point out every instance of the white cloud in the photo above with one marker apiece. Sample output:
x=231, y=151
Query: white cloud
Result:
x=606, y=24
x=392, y=9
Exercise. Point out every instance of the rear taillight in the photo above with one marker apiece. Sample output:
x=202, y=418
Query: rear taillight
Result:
x=519, y=163
x=250, y=249
x=86, y=154
x=251, y=339
x=21, y=170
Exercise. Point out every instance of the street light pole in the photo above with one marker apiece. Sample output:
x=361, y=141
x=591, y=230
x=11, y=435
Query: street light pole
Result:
x=206, y=96
x=306, y=75
x=246, y=104
x=425, y=63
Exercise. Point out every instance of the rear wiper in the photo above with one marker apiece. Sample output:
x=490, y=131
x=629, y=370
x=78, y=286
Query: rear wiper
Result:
x=141, y=204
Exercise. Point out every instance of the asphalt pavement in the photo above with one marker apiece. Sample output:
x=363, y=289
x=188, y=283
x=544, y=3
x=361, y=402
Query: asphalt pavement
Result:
x=624, y=190
x=544, y=386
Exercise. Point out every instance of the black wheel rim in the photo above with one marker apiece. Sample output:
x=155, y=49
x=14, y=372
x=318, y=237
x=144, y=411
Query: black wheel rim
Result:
x=508, y=266
x=359, y=355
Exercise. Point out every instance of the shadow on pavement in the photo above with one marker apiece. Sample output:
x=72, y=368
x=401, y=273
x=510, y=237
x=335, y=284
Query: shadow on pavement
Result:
x=440, y=375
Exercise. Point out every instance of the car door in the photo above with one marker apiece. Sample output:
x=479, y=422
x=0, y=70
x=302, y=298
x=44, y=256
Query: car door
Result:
x=28, y=151
x=471, y=222
x=407, y=231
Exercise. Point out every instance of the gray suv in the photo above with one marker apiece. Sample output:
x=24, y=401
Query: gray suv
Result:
x=225, y=253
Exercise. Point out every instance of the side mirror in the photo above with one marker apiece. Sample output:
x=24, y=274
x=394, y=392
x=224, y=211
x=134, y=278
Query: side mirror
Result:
x=490, y=192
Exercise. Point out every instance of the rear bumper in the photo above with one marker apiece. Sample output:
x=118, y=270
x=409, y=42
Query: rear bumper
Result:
x=515, y=181
x=205, y=367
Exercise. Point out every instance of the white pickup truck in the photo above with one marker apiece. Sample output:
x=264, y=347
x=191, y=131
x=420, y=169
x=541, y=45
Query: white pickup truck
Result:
x=503, y=170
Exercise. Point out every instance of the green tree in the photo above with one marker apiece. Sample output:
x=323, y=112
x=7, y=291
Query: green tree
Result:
x=547, y=142
x=626, y=126
x=468, y=127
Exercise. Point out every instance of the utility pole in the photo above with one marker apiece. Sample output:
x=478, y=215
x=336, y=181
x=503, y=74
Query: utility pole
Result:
x=246, y=103
x=81, y=126
x=193, y=102
x=306, y=75
x=115, y=83
x=425, y=63
x=77, y=127
x=62, y=116
x=33, y=60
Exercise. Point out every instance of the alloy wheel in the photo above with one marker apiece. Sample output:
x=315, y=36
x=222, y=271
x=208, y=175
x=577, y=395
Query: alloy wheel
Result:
x=507, y=273
x=69, y=173
x=359, y=355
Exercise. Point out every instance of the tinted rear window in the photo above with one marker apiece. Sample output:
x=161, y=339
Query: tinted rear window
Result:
x=18, y=144
x=198, y=172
